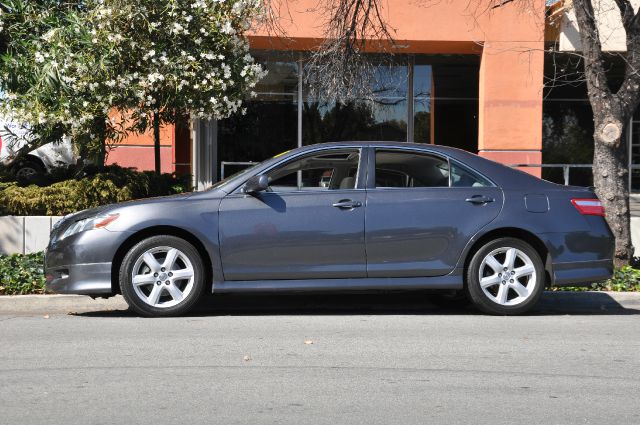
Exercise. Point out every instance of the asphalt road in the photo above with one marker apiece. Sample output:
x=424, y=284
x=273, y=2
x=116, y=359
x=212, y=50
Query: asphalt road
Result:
x=381, y=359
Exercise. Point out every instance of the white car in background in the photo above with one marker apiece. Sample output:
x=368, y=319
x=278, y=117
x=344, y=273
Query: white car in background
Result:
x=36, y=162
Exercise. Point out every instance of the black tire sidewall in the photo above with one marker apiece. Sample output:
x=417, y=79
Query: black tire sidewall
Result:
x=28, y=163
x=126, y=286
x=477, y=295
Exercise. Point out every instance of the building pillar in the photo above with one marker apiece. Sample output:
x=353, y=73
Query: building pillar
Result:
x=204, y=160
x=510, y=103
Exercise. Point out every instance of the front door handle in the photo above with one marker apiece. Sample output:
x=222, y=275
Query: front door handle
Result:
x=479, y=199
x=347, y=204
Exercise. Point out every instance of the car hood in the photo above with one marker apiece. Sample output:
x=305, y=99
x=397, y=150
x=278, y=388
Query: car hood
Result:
x=79, y=215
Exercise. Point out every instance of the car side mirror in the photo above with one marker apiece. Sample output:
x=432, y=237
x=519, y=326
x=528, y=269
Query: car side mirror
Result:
x=256, y=184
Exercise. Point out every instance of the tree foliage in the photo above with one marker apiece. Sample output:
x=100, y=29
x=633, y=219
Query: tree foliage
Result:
x=78, y=68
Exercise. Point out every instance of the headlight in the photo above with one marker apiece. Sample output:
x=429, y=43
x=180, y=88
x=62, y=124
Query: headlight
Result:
x=90, y=223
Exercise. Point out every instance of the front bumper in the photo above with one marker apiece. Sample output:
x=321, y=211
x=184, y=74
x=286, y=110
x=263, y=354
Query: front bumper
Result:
x=81, y=263
x=83, y=279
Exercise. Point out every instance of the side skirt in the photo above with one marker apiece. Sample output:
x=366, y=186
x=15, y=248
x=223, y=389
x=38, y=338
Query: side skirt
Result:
x=451, y=281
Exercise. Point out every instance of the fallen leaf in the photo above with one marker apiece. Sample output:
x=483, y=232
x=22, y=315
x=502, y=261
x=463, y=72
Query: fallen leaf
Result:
x=247, y=358
x=308, y=342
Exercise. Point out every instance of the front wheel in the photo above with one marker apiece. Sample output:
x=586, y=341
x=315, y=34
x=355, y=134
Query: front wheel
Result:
x=162, y=276
x=505, y=276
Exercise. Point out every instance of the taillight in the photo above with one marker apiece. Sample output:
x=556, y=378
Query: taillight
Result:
x=588, y=206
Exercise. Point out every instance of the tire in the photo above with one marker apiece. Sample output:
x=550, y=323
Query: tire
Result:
x=169, y=260
x=28, y=169
x=506, y=292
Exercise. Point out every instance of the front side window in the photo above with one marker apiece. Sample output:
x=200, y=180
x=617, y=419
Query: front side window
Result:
x=333, y=170
x=410, y=169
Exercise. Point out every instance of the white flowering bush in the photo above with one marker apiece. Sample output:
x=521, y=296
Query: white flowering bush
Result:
x=68, y=66
x=47, y=70
x=180, y=57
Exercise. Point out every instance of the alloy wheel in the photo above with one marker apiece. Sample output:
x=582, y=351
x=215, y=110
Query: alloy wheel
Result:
x=507, y=276
x=163, y=276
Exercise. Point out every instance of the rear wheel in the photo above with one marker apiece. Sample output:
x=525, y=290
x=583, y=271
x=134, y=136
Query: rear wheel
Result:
x=505, y=276
x=162, y=276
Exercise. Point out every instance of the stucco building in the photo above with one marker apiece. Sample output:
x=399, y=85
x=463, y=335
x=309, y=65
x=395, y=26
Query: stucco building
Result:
x=463, y=75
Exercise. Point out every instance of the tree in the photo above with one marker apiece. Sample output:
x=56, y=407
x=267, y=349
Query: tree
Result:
x=612, y=110
x=52, y=75
x=178, y=58
x=96, y=70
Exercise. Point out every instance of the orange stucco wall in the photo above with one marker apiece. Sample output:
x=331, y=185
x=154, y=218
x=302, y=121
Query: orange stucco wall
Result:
x=509, y=40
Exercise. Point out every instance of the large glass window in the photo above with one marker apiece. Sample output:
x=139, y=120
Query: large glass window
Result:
x=404, y=107
x=422, y=103
x=384, y=117
x=270, y=125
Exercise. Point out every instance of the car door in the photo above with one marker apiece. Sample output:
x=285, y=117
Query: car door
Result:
x=309, y=224
x=421, y=211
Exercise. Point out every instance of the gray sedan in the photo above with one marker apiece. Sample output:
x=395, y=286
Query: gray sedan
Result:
x=341, y=217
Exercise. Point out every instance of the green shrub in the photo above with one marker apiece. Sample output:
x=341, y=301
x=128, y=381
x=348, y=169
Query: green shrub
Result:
x=109, y=185
x=624, y=279
x=22, y=274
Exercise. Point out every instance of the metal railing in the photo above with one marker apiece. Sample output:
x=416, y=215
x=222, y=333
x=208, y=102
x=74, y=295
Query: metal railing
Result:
x=566, y=168
x=223, y=163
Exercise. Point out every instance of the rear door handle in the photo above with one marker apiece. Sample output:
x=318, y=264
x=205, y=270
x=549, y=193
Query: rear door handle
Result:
x=479, y=199
x=347, y=204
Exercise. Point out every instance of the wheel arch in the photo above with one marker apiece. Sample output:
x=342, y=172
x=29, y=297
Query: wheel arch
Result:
x=32, y=158
x=155, y=231
x=518, y=233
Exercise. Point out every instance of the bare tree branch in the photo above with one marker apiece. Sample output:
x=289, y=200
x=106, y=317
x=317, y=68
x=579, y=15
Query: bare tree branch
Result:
x=339, y=69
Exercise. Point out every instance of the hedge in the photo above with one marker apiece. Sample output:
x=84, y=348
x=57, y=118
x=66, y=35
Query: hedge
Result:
x=111, y=184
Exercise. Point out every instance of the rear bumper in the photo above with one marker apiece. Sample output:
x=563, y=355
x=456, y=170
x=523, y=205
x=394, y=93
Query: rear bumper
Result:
x=582, y=273
x=84, y=279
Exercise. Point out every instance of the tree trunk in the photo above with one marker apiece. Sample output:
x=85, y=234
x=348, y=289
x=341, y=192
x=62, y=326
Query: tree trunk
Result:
x=610, y=177
x=156, y=141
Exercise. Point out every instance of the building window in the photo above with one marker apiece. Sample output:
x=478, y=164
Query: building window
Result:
x=404, y=107
x=384, y=117
x=270, y=125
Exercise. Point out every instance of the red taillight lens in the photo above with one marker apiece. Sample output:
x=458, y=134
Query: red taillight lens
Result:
x=588, y=206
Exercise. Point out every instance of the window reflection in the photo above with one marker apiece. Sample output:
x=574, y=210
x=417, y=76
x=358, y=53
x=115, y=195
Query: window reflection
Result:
x=270, y=125
x=360, y=120
x=422, y=118
x=382, y=118
x=444, y=109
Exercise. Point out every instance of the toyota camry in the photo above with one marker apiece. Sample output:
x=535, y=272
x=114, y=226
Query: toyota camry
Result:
x=357, y=216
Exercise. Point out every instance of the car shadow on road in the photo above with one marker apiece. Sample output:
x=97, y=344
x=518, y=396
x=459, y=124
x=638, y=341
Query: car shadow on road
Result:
x=394, y=303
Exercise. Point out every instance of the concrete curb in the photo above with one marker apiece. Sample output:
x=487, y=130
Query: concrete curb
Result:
x=591, y=302
x=43, y=304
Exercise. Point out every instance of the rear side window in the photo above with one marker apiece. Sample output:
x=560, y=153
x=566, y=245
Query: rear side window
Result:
x=410, y=169
x=462, y=176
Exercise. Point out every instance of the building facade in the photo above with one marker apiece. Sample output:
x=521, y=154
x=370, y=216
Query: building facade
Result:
x=463, y=75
